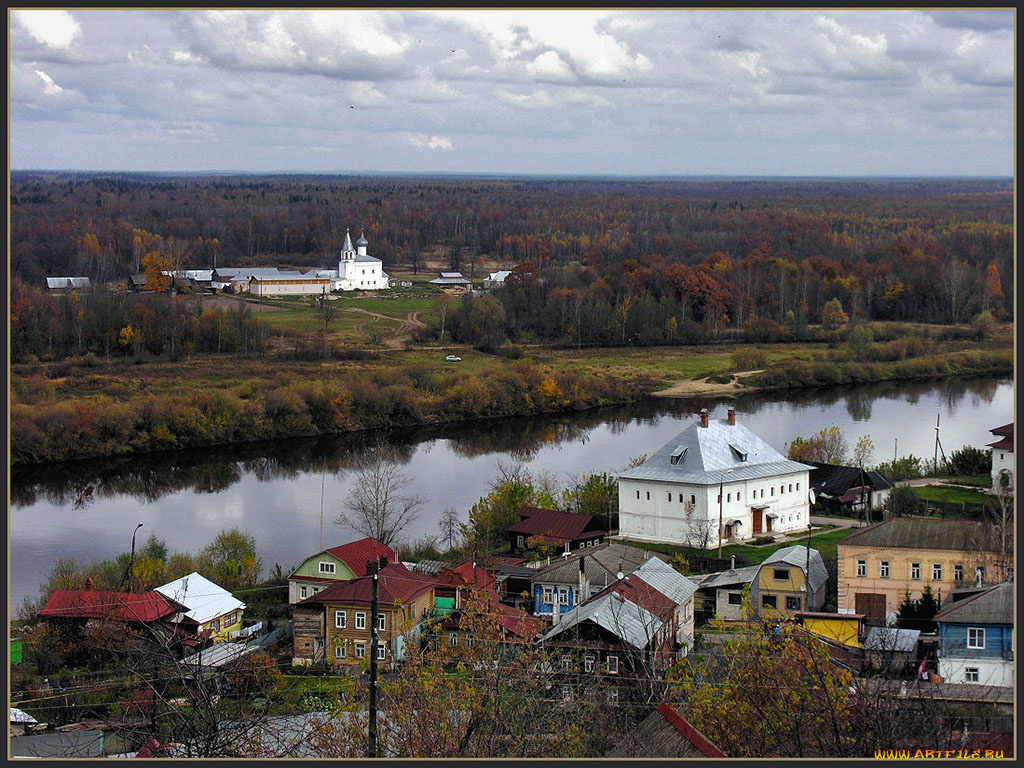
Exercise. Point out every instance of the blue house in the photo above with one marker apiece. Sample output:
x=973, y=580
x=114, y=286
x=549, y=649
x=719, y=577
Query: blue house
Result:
x=976, y=638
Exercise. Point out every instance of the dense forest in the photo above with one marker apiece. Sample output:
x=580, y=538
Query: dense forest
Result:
x=728, y=250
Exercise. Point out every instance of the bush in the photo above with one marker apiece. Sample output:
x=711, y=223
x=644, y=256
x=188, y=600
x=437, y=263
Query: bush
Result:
x=969, y=461
x=749, y=359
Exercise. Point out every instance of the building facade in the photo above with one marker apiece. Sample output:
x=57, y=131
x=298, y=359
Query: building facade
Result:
x=783, y=586
x=714, y=482
x=879, y=565
x=1002, y=459
x=343, y=563
x=976, y=638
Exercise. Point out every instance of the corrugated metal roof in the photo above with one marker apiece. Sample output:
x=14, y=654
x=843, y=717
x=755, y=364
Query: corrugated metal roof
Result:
x=993, y=606
x=67, y=282
x=711, y=455
x=617, y=614
x=555, y=525
x=925, y=533
x=101, y=604
x=797, y=555
x=733, y=576
x=18, y=716
x=666, y=579
x=219, y=655
x=396, y=585
x=204, y=600
x=356, y=554
x=600, y=564
x=891, y=639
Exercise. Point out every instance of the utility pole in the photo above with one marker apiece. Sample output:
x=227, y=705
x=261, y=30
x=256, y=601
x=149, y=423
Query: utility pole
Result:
x=373, y=567
x=807, y=572
x=130, y=575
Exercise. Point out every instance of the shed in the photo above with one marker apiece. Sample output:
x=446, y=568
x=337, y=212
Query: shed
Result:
x=891, y=649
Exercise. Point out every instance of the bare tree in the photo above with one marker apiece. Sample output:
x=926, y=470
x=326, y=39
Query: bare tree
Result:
x=378, y=508
x=450, y=526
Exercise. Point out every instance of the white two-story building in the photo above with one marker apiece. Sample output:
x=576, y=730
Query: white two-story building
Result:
x=715, y=481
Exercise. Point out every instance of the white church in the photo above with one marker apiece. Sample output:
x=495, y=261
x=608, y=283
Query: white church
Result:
x=357, y=271
x=714, y=482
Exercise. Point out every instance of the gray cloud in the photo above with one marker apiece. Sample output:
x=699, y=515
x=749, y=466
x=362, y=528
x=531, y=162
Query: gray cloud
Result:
x=516, y=91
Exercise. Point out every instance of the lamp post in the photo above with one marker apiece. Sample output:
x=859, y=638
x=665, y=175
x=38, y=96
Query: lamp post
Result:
x=131, y=561
x=721, y=498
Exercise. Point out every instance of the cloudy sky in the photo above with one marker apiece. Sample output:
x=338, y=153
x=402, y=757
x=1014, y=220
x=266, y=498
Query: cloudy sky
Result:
x=806, y=92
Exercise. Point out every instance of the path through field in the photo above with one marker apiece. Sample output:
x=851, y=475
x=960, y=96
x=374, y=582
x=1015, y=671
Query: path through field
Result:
x=407, y=325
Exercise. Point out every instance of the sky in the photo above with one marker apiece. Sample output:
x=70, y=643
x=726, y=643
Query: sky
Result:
x=657, y=92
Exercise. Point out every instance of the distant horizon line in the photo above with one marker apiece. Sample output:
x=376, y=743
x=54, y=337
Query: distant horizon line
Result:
x=496, y=174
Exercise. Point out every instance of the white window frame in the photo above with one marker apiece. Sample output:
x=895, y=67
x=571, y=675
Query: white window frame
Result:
x=341, y=651
x=588, y=663
x=976, y=638
x=547, y=595
x=360, y=619
x=971, y=674
x=340, y=619
x=883, y=569
x=328, y=567
x=563, y=595
x=979, y=575
x=453, y=639
x=936, y=571
x=303, y=592
x=613, y=665
x=520, y=541
x=958, y=572
x=382, y=622
x=915, y=571
x=862, y=568
x=382, y=651
x=359, y=650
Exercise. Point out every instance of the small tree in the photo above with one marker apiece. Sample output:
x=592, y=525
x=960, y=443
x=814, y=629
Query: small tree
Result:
x=377, y=507
x=833, y=317
x=902, y=501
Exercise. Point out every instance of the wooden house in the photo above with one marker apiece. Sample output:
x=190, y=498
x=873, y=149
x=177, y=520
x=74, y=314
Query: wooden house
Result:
x=976, y=638
x=343, y=563
x=215, y=611
x=564, y=531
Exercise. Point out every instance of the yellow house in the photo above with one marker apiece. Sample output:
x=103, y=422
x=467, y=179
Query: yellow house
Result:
x=880, y=564
x=217, y=612
x=842, y=628
x=782, y=587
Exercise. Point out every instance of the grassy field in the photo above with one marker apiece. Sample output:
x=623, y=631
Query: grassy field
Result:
x=951, y=495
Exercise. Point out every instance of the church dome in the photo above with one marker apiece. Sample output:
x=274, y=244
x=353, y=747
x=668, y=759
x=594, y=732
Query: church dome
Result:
x=362, y=240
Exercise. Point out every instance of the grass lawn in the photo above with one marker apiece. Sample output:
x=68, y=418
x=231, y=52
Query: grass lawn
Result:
x=952, y=495
x=979, y=481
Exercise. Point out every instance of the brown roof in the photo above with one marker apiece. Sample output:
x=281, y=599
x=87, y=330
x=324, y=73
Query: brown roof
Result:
x=555, y=525
x=925, y=533
x=396, y=586
x=665, y=733
x=1006, y=429
x=1006, y=444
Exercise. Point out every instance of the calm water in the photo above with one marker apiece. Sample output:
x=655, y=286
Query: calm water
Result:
x=88, y=510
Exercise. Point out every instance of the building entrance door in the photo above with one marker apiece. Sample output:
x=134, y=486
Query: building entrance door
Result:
x=756, y=513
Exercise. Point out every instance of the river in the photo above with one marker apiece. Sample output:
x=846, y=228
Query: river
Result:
x=88, y=510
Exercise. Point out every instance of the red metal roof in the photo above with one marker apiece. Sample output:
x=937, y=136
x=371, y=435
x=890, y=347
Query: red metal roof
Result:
x=690, y=733
x=97, y=604
x=555, y=525
x=463, y=575
x=1006, y=444
x=1006, y=429
x=396, y=584
x=356, y=554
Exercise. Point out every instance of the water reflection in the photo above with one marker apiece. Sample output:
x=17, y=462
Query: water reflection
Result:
x=149, y=477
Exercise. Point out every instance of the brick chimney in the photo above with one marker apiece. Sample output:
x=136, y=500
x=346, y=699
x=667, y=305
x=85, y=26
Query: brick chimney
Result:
x=731, y=416
x=704, y=417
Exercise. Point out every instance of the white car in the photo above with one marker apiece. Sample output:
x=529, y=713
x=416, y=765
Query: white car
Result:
x=453, y=359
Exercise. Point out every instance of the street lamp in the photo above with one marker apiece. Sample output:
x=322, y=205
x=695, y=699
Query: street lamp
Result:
x=721, y=498
x=131, y=562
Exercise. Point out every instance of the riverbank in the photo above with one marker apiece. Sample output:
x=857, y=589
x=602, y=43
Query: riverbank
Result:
x=89, y=409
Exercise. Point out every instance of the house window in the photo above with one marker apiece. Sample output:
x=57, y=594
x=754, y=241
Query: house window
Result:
x=566, y=693
x=648, y=495
x=548, y=595
x=780, y=574
x=613, y=665
x=970, y=674
x=976, y=638
x=360, y=650
x=613, y=695
x=215, y=625
x=340, y=651
x=326, y=567
x=638, y=494
x=718, y=500
x=937, y=572
x=520, y=541
x=773, y=490
x=693, y=499
x=360, y=620
x=412, y=611
x=883, y=569
x=738, y=495
x=588, y=663
x=792, y=603
x=382, y=652
x=670, y=496
x=915, y=571
x=862, y=567
x=563, y=595
x=453, y=639
x=680, y=498
x=798, y=486
x=469, y=639
x=735, y=598
x=340, y=619
x=958, y=573
x=769, y=601
x=302, y=592
x=979, y=575
x=566, y=663
x=381, y=622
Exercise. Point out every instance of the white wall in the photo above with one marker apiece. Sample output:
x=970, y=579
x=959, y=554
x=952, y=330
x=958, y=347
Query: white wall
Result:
x=653, y=516
x=1002, y=461
x=990, y=671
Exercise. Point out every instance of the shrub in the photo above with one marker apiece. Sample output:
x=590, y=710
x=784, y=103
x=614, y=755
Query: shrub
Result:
x=749, y=359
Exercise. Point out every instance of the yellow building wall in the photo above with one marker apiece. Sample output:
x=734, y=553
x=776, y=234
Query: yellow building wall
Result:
x=223, y=634
x=767, y=584
x=899, y=581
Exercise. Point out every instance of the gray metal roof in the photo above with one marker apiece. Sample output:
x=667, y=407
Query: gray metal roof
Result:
x=67, y=282
x=666, y=579
x=18, y=716
x=925, y=533
x=219, y=655
x=797, y=555
x=615, y=613
x=601, y=564
x=733, y=576
x=891, y=639
x=993, y=606
x=713, y=454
